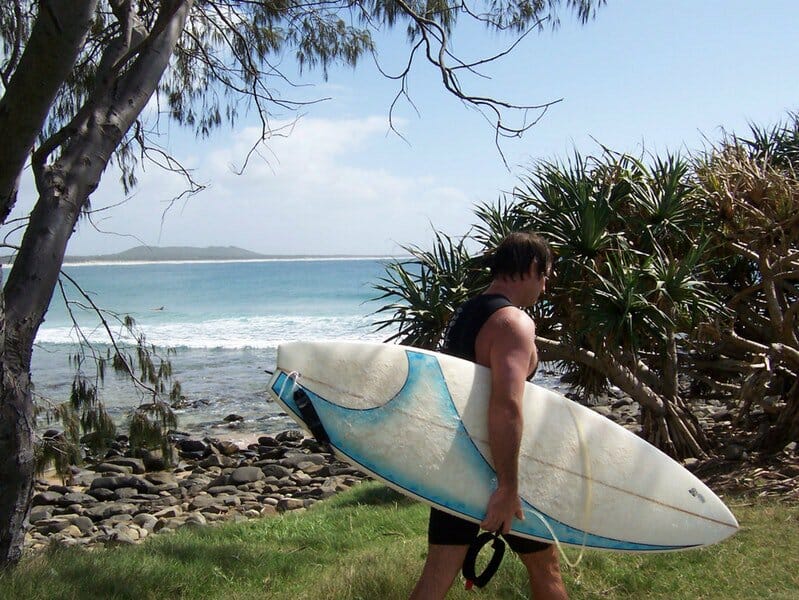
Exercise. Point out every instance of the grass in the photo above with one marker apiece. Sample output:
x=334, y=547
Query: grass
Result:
x=369, y=543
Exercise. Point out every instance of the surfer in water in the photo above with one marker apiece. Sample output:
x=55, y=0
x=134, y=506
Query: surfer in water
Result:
x=492, y=330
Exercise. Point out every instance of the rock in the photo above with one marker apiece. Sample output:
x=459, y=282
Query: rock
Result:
x=222, y=489
x=201, y=502
x=244, y=475
x=690, y=463
x=168, y=513
x=275, y=470
x=621, y=403
x=191, y=445
x=84, y=524
x=107, y=467
x=267, y=452
x=161, y=479
x=227, y=448
x=112, y=483
x=287, y=504
x=268, y=441
x=39, y=513
x=218, y=460
x=604, y=411
x=145, y=521
x=125, y=493
x=49, y=526
x=735, y=452
x=122, y=538
x=103, y=494
x=301, y=478
x=136, y=465
x=196, y=519
x=47, y=497
x=82, y=477
x=233, y=418
x=221, y=483
x=153, y=460
x=291, y=435
x=295, y=460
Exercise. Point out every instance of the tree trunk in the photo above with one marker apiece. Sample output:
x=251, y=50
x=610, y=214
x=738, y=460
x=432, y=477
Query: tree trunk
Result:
x=64, y=188
x=55, y=42
x=677, y=432
x=786, y=429
x=669, y=425
x=16, y=449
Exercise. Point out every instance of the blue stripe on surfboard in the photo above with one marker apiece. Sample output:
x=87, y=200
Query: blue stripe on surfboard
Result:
x=425, y=382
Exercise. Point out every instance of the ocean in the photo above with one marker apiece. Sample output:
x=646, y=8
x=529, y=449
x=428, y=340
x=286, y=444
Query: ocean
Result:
x=224, y=321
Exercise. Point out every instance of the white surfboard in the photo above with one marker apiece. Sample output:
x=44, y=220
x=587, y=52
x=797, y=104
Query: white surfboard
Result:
x=417, y=420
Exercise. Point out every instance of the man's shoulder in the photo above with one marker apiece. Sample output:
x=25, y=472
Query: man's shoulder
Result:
x=510, y=320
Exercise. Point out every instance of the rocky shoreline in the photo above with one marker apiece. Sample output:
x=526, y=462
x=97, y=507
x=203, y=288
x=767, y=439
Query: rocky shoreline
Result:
x=124, y=500
x=120, y=501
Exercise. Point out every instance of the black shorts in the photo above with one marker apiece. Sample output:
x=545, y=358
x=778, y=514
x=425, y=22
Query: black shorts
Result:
x=449, y=530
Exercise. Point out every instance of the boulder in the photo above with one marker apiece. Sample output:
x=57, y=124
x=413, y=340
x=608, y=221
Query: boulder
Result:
x=244, y=475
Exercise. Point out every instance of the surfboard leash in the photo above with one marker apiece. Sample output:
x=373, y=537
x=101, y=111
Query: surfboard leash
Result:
x=470, y=562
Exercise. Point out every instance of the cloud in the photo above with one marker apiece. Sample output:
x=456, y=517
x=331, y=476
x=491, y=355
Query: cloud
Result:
x=328, y=186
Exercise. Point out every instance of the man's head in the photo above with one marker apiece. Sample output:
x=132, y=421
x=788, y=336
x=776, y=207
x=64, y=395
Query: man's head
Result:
x=516, y=254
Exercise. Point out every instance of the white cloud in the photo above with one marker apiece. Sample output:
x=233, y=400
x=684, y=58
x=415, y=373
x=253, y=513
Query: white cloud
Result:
x=331, y=186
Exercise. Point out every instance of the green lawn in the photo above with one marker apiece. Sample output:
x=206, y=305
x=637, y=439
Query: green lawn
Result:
x=369, y=543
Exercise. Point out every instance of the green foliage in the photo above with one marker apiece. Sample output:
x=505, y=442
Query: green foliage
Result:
x=426, y=288
x=630, y=256
x=148, y=427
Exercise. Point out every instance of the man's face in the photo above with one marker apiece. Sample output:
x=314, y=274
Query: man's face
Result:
x=537, y=282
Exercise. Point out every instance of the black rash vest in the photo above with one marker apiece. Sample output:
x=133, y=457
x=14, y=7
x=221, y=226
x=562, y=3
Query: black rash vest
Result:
x=461, y=333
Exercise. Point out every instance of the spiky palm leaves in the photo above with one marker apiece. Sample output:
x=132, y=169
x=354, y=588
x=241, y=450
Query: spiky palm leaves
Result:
x=425, y=288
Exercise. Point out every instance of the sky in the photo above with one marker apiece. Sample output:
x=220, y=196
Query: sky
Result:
x=644, y=77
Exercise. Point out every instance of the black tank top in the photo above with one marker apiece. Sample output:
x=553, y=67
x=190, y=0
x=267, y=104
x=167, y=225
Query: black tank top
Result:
x=465, y=324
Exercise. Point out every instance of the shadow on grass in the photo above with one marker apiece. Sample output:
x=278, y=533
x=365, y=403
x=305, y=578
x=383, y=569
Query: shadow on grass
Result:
x=374, y=494
x=182, y=567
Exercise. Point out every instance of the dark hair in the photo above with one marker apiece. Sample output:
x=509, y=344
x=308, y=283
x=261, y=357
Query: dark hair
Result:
x=518, y=251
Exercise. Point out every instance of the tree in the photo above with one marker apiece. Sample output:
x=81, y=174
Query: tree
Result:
x=751, y=351
x=77, y=76
x=628, y=286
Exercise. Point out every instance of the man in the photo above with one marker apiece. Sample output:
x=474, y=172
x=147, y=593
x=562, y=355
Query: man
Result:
x=492, y=330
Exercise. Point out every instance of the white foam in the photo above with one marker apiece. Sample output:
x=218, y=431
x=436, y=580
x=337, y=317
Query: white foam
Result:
x=258, y=332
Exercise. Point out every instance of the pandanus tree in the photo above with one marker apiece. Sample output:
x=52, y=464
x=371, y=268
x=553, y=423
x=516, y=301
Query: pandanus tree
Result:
x=750, y=353
x=628, y=290
x=627, y=287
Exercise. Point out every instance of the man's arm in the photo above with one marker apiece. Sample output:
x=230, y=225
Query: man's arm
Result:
x=510, y=356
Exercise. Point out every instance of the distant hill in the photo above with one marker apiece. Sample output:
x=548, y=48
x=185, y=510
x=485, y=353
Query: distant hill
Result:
x=155, y=253
x=183, y=253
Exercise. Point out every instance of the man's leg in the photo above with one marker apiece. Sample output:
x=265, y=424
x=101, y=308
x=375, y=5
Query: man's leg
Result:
x=440, y=570
x=543, y=568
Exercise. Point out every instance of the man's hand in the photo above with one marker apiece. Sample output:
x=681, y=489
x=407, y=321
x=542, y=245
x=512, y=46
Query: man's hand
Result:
x=503, y=506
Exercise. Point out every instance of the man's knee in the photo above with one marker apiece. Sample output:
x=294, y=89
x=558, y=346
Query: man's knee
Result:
x=543, y=563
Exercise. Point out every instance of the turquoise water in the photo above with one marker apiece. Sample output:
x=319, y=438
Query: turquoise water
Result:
x=224, y=319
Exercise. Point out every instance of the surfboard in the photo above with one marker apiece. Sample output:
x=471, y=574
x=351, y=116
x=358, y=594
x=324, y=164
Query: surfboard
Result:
x=417, y=420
